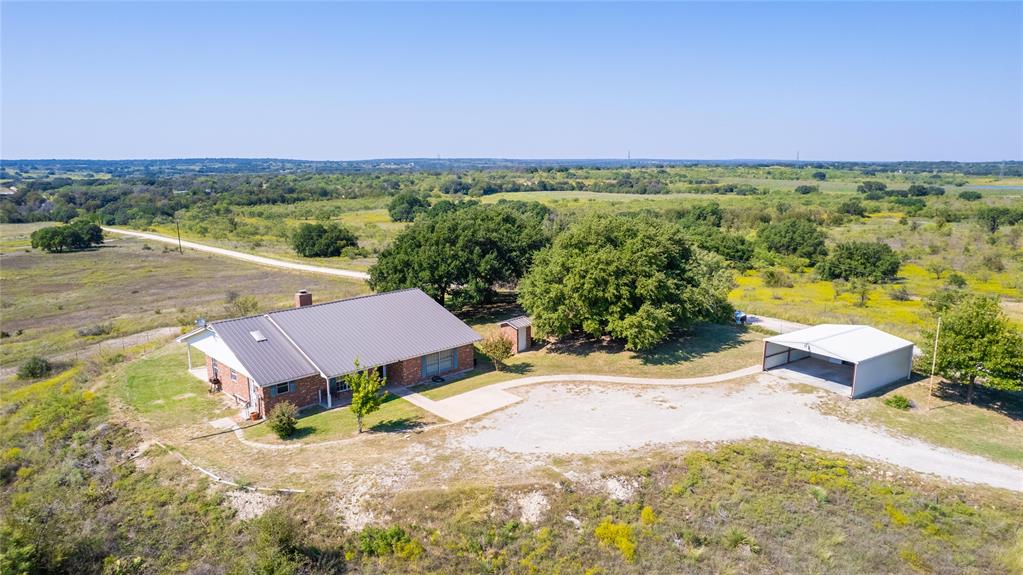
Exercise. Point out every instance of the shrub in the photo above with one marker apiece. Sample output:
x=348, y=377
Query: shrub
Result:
x=378, y=541
x=776, y=278
x=241, y=306
x=406, y=206
x=852, y=207
x=794, y=237
x=900, y=294
x=956, y=280
x=898, y=402
x=322, y=240
x=98, y=329
x=648, y=516
x=804, y=189
x=497, y=348
x=869, y=260
x=619, y=535
x=283, y=419
x=34, y=368
x=969, y=195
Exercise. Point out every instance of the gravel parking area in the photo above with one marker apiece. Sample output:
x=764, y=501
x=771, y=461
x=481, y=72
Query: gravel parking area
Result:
x=593, y=418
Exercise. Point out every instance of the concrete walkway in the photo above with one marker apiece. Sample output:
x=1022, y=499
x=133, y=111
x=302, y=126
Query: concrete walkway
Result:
x=241, y=255
x=493, y=397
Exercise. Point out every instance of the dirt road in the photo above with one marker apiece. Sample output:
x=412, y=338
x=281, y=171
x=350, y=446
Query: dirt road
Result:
x=241, y=255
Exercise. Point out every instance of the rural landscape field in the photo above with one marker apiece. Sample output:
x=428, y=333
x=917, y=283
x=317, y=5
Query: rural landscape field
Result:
x=314, y=288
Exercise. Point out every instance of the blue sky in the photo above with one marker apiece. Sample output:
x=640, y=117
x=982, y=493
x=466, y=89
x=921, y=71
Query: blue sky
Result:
x=834, y=81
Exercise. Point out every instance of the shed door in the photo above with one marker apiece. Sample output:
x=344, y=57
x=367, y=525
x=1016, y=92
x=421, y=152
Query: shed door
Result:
x=523, y=344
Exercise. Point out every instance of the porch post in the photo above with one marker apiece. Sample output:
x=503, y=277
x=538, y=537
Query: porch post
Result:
x=188, y=348
x=329, y=402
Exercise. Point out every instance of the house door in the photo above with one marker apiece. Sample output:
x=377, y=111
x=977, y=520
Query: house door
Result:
x=523, y=343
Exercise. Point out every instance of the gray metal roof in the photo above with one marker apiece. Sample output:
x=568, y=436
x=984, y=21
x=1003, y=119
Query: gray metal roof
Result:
x=519, y=322
x=376, y=329
x=270, y=361
x=327, y=338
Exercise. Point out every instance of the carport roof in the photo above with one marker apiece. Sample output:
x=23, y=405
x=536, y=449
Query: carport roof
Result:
x=853, y=343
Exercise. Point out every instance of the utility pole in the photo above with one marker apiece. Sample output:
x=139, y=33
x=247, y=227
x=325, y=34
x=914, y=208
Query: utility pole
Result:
x=934, y=363
x=178, y=227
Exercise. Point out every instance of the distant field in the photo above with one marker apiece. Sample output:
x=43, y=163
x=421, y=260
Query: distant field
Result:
x=48, y=297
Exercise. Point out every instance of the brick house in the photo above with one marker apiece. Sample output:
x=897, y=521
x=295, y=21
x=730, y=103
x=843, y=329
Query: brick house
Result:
x=302, y=354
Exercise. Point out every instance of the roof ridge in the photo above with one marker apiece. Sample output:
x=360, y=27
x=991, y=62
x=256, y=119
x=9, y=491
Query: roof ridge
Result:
x=353, y=298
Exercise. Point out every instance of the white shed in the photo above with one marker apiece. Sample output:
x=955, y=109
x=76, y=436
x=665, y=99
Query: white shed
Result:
x=860, y=357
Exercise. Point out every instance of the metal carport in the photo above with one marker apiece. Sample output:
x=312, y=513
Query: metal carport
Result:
x=829, y=351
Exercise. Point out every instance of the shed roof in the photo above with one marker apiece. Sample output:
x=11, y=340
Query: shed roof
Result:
x=328, y=338
x=852, y=343
x=519, y=322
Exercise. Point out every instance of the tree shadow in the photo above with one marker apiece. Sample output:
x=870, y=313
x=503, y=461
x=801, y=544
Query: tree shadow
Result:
x=400, y=424
x=681, y=346
x=504, y=305
x=1007, y=403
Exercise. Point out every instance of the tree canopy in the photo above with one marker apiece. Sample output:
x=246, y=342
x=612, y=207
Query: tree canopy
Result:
x=874, y=261
x=794, y=237
x=78, y=235
x=463, y=252
x=978, y=344
x=405, y=206
x=322, y=240
x=627, y=277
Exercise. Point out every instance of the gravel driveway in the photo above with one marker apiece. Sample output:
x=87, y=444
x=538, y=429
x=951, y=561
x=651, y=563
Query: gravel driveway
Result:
x=586, y=418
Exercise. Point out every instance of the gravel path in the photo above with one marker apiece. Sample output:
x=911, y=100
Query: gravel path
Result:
x=241, y=255
x=585, y=419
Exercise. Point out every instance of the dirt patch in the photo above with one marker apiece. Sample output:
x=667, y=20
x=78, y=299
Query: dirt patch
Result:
x=250, y=504
x=533, y=506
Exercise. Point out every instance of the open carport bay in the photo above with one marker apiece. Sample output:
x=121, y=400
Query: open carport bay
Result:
x=835, y=377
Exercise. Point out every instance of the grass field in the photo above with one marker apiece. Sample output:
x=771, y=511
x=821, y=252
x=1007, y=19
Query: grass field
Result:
x=132, y=286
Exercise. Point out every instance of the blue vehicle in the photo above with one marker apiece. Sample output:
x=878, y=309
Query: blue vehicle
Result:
x=740, y=317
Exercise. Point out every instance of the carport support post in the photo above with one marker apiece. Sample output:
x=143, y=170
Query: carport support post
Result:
x=329, y=404
x=188, y=350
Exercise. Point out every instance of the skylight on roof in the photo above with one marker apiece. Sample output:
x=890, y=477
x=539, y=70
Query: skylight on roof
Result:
x=257, y=335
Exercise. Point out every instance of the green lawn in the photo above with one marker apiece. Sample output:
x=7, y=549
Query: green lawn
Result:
x=707, y=350
x=162, y=391
x=318, y=424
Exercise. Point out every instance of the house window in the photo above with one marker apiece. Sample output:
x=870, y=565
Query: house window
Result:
x=286, y=387
x=439, y=362
x=234, y=375
x=339, y=384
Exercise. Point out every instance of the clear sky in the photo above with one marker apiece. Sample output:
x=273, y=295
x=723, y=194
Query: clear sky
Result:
x=849, y=81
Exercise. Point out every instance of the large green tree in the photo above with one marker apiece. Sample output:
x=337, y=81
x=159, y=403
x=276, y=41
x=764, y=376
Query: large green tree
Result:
x=874, y=261
x=978, y=345
x=405, y=206
x=322, y=240
x=78, y=235
x=627, y=277
x=463, y=253
x=796, y=237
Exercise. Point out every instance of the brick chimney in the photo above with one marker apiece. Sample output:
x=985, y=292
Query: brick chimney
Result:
x=303, y=298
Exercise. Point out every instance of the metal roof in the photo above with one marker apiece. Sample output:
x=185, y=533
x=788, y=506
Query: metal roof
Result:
x=327, y=338
x=375, y=330
x=519, y=322
x=270, y=361
x=852, y=343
